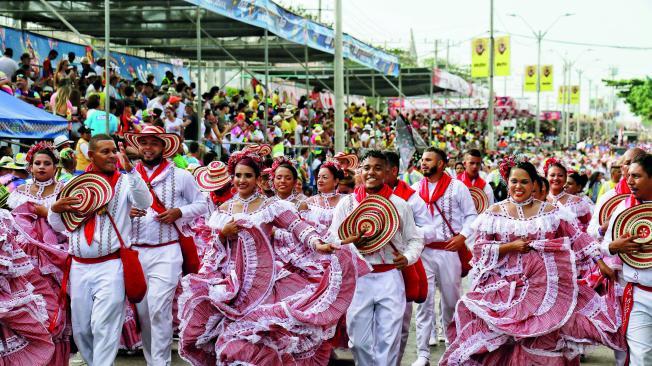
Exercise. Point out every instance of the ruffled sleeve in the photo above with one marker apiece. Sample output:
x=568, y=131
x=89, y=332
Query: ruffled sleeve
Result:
x=485, y=247
x=584, y=245
x=285, y=216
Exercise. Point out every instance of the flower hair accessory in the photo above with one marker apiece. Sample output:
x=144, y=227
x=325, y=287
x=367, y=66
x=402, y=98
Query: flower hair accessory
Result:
x=548, y=163
x=504, y=167
x=237, y=157
x=332, y=163
x=42, y=145
x=280, y=161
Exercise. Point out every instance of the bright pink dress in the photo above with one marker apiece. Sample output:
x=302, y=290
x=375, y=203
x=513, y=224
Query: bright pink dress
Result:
x=47, y=251
x=24, y=337
x=247, y=307
x=529, y=309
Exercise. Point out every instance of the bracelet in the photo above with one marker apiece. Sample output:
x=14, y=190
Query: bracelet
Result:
x=596, y=258
x=600, y=232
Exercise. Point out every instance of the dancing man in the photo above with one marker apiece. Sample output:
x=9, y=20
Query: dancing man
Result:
x=451, y=212
x=97, y=288
x=156, y=235
x=375, y=315
x=471, y=175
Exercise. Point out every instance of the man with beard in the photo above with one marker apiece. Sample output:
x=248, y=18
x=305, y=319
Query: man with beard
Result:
x=97, y=288
x=373, y=320
x=637, y=296
x=157, y=237
x=471, y=174
x=451, y=212
x=594, y=229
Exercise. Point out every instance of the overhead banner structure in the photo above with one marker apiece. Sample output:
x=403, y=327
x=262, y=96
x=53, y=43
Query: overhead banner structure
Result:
x=128, y=67
x=480, y=57
x=546, y=78
x=266, y=14
x=530, y=82
x=502, y=56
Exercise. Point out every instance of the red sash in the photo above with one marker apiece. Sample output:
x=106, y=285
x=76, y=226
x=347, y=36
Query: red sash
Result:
x=360, y=192
x=403, y=190
x=440, y=189
x=89, y=228
x=140, y=168
x=622, y=187
x=478, y=183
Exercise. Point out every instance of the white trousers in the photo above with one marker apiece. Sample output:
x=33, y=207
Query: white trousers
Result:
x=639, y=330
x=444, y=273
x=162, y=267
x=405, y=330
x=374, y=318
x=97, y=303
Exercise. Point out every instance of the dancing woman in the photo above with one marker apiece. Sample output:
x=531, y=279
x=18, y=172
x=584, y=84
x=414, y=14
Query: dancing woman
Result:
x=244, y=307
x=318, y=209
x=557, y=175
x=525, y=305
x=284, y=178
x=46, y=248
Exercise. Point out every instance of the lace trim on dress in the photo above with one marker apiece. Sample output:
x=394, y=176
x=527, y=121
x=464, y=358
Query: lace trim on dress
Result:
x=501, y=224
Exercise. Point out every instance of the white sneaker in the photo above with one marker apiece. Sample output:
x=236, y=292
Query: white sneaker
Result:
x=77, y=360
x=421, y=361
x=432, y=341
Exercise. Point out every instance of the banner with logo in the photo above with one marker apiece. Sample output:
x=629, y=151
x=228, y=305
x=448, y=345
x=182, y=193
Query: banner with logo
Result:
x=502, y=50
x=562, y=96
x=546, y=78
x=530, y=81
x=480, y=58
x=575, y=94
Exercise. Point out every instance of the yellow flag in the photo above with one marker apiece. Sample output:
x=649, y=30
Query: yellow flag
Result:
x=562, y=96
x=575, y=94
x=480, y=58
x=530, y=82
x=502, y=50
x=546, y=78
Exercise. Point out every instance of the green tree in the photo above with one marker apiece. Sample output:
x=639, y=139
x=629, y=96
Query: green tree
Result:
x=638, y=94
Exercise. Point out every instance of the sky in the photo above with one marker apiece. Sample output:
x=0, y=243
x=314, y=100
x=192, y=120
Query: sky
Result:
x=602, y=22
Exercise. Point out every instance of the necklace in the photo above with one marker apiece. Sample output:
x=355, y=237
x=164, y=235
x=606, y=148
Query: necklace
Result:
x=246, y=201
x=42, y=185
x=326, y=197
x=557, y=197
x=519, y=205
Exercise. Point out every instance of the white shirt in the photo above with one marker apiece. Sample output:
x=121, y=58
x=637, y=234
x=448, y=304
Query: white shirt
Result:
x=173, y=126
x=175, y=188
x=487, y=191
x=630, y=274
x=130, y=191
x=594, y=224
x=408, y=239
x=8, y=66
x=457, y=205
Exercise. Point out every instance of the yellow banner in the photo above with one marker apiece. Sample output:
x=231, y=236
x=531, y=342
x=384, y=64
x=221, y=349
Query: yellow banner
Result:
x=480, y=58
x=575, y=94
x=562, y=97
x=502, y=56
x=530, y=82
x=546, y=78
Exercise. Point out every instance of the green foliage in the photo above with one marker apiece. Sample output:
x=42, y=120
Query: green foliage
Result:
x=404, y=58
x=638, y=94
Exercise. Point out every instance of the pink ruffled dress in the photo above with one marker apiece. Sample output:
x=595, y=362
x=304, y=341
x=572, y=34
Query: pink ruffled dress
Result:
x=580, y=206
x=47, y=251
x=245, y=307
x=529, y=309
x=24, y=337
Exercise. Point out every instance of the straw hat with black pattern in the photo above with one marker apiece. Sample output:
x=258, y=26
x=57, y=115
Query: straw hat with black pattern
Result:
x=172, y=141
x=378, y=217
x=94, y=192
x=212, y=177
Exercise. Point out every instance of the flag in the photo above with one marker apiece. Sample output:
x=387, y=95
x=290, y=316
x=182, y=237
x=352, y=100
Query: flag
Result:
x=575, y=94
x=502, y=52
x=480, y=58
x=530, y=81
x=404, y=143
x=562, y=97
x=546, y=78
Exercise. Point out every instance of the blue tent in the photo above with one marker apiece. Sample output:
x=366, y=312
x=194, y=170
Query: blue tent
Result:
x=20, y=120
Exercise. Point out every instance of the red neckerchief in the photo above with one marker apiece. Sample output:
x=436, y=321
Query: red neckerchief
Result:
x=478, y=183
x=89, y=227
x=622, y=187
x=219, y=199
x=140, y=168
x=403, y=190
x=360, y=192
x=424, y=192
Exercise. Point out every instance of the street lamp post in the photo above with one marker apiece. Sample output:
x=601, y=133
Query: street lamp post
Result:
x=539, y=36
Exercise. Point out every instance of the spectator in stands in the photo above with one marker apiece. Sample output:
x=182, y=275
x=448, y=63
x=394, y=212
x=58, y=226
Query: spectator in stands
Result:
x=96, y=117
x=7, y=63
x=48, y=69
x=26, y=93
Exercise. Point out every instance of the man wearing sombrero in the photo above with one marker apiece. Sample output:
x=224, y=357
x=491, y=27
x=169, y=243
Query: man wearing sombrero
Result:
x=157, y=237
x=635, y=212
x=96, y=216
x=375, y=315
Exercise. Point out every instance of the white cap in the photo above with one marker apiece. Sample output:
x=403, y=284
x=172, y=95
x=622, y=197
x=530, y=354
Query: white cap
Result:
x=60, y=140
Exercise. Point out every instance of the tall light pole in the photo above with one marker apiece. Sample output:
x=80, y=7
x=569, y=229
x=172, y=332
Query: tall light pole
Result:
x=539, y=36
x=339, y=80
x=490, y=109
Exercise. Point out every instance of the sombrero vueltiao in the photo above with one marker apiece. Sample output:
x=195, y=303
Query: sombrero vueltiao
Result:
x=636, y=220
x=348, y=161
x=172, y=141
x=93, y=190
x=262, y=150
x=480, y=199
x=379, y=216
x=212, y=177
x=609, y=206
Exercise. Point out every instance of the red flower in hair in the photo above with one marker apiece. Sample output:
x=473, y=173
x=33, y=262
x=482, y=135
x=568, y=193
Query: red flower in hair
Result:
x=278, y=162
x=505, y=165
x=548, y=163
x=41, y=145
x=235, y=158
x=332, y=162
